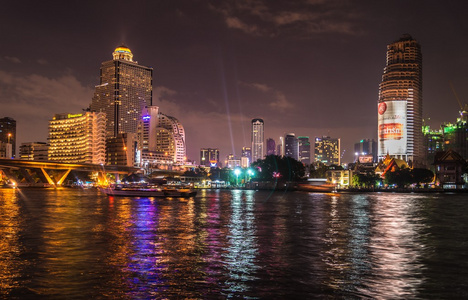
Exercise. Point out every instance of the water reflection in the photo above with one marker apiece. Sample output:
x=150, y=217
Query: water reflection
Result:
x=58, y=244
x=11, y=264
x=242, y=248
x=395, y=247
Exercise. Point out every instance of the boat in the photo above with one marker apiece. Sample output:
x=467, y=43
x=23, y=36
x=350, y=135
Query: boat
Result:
x=320, y=185
x=148, y=191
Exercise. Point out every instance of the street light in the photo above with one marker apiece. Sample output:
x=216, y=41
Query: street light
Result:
x=237, y=171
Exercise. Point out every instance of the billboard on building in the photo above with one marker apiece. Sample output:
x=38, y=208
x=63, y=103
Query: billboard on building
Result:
x=392, y=128
x=366, y=159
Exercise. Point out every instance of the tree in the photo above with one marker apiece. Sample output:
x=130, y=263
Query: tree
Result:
x=282, y=168
x=422, y=176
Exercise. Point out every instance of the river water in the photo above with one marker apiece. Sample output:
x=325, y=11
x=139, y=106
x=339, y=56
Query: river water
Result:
x=81, y=244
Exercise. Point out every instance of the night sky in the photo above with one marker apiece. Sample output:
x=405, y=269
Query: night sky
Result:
x=312, y=67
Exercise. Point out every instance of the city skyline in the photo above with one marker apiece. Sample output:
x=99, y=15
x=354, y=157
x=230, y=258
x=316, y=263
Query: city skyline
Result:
x=312, y=68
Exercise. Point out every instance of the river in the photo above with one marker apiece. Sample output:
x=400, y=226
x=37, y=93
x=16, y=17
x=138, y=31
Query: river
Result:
x=81, y=244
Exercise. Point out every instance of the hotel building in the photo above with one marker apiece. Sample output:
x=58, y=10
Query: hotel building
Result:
x=77, y=138
x=400, y=103
x=327, y=150
x=124, y=90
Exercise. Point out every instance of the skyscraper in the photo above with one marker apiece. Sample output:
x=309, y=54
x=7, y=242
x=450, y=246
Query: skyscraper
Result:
x=257, y=139
x=400, y=102
x=8, y=134
x=327, y=150
x=291, y=148
x=125, y=88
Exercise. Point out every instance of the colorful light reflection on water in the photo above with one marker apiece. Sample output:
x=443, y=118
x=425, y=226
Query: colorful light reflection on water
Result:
x=68, y=243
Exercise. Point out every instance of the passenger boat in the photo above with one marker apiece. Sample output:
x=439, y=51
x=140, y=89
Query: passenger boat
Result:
x=148, y=191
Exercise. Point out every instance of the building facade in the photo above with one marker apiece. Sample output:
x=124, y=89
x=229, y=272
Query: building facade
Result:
x=304, y=150
x=400, y=103
x=124, y=90
x=246, y=157
x=77, y=138
x=257, y=140
x=37, y=151
x=8, y=135
x=327, y=150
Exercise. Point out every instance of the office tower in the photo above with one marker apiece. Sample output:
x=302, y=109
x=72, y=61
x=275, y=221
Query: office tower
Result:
x=125, y=88
x=37, y=151
x=327, y=150
x=257, y=139
x=400, y=103
x=304, y=150
x=271, y=146
x=8, y=135
x=147, y=130
x=246, y=157
x=77, y=138
x=291, y=147
x=366, y=150
x=209, y=157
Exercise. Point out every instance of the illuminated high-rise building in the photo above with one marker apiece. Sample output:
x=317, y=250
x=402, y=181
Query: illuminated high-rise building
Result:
x=400, y=103
x=77, y=138
x=124, y=90
x=257, y=140
x=170, y=138
x=8, y=135
x=327, y=150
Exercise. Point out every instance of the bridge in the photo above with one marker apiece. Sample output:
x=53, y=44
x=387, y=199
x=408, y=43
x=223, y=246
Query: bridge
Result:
x=42, y=173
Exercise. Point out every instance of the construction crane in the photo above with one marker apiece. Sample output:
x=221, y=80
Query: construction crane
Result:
x=463, y=109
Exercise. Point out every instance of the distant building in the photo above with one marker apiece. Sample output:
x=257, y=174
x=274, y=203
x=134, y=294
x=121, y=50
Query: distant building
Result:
x=271, y=146
x=366, y=147
x=77, y=138
x=232, y=162
x=456, y=135
x=304, y=150
x=37, y=151
x=209, y=157
x=450, y=136
x=8, y=134
x=327, y=150
x=246, y=157
x=258, y=151
x=125, y=88
x=291, y=146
